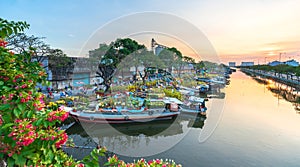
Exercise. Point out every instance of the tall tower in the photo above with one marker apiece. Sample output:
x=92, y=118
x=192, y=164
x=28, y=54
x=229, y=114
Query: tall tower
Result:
x=156, y=47
x=153, y=43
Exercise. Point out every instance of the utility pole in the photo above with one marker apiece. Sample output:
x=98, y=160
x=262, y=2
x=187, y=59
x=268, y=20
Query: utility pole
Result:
x=280, y=57
x=265, y=60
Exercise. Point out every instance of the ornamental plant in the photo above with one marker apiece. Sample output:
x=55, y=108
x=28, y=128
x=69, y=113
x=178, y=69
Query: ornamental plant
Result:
x=28, y=132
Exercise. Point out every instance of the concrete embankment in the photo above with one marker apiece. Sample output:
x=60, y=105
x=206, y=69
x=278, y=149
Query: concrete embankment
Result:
x=282, y=78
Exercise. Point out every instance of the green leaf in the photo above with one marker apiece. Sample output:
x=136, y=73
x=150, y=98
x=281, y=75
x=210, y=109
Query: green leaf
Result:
x=7, y=118
x=4, y=106
x=45, y=123
x=15, y=30
x=92, y=164
x=9, y=30
x=57, y=164
x=20, y=160
x=6, y=88
x=1, y=82
x=7, y=125
x=16, y=112
x=58, y=159
x=10, y=162
x=94, y=155
x=21, y=107
x=29, y=114
x=107, y=163
x=28, y=153
x=38, y=122
x=50, y=155
x=35, y=158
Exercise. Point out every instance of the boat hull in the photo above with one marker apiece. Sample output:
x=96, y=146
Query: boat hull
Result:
x=118, y=118
x=191, y=111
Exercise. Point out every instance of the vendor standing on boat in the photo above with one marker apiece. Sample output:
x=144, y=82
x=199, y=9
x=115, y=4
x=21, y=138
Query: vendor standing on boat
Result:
x=202, y=108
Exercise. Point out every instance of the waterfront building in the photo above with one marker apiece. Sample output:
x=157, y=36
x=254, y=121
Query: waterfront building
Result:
x=292, y=62
x=231, y=64
x=275, y=63
x=247, y=63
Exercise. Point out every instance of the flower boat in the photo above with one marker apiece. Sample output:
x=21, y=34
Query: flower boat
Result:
x=145, y=111
x=194, y=105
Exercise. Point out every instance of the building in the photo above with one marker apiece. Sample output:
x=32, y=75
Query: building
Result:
x=156, y=47
x=292, y=62
x=84, y=72
x=275, y=63
x=231, y=64
x=247, y=64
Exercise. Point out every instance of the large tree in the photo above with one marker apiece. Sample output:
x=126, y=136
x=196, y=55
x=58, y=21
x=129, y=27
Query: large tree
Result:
x=21, y=42
x=109, y=61
x=171, y=57
x=143, y=58
x=59, y=63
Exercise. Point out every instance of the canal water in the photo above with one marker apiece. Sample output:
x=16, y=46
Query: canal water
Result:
x=256, y=128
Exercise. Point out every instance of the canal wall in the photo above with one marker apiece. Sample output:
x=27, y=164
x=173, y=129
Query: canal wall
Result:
x=290, y=82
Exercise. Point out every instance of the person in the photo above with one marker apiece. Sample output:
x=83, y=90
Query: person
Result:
x=203, y=109
x=50, y=94
x=62, y=94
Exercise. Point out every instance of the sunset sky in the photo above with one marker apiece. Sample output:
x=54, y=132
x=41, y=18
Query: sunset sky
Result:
x=244, y=30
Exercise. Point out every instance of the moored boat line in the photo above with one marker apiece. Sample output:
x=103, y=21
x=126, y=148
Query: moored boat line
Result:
x=145, y=102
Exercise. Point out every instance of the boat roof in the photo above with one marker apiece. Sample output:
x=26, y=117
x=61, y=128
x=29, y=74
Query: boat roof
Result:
x=196, y=99
x=173, y=100
x=168, y=100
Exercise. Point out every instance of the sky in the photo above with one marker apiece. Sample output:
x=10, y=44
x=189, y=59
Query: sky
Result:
x=244, y=30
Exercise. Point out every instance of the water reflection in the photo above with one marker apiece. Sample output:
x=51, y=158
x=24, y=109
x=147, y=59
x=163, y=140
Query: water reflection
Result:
x=281, y=90
x=135, y=139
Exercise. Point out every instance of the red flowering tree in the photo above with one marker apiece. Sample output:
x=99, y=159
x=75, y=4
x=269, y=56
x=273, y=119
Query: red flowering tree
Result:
x=28, y=135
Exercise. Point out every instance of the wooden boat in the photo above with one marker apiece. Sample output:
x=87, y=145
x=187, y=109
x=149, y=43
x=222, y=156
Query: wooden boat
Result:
x=194, y=105
x=119, y=114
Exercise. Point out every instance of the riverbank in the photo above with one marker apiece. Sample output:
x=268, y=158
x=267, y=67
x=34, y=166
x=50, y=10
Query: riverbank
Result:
x=283, y=78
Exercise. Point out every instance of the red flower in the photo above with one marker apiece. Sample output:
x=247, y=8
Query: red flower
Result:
x=3, y=43
x=1, y=121
x=28, y=97
x=64, y=138
x=23, y=100
x=80, y=165
x=23, y=86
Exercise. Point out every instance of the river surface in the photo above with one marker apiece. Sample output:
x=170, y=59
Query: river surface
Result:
x=256, y=128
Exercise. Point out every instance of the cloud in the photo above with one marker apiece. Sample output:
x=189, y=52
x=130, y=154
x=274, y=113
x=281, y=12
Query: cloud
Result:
x=71, y=35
